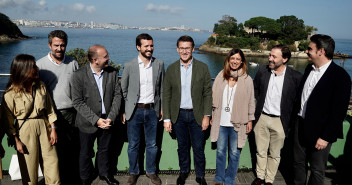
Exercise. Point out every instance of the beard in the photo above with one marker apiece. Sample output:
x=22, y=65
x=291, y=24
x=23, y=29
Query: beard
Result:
x=58, y=57
x=145, y=54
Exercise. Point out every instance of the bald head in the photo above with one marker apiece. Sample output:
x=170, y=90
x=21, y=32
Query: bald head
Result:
x=94, y=51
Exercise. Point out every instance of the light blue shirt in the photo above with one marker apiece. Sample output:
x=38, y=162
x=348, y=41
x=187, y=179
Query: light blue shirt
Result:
x=99, y=81
x=186, y=80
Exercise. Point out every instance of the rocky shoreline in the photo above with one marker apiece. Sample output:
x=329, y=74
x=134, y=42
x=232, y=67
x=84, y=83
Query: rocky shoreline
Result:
x=5, y=38
x=259, y=53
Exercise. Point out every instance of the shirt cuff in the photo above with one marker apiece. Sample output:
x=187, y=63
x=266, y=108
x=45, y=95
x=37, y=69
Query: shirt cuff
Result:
x=167, y=120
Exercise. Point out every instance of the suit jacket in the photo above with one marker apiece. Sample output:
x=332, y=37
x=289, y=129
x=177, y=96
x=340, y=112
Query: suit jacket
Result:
x=326, y=106
x=289, y=90
x=86, y=98
x=201, y=92
x=130, y=85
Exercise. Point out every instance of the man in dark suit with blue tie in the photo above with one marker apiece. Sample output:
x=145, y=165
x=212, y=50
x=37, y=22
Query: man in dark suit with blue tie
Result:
x=96, y=95
x=322, y=103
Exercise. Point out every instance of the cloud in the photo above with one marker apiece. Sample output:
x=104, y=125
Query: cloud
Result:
x=90, y=9
x=163, y=8
x=82, y=7
x=42, y=2
x=26, y=5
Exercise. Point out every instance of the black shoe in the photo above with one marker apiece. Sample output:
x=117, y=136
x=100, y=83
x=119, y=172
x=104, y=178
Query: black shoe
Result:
x=181, y=180
x=109, y=180
x=201, y=181
x=86, y=181
x=257, y=181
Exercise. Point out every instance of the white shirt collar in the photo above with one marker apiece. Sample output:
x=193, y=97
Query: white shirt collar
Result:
x=140, y=63
x=52, y=60
x=323, y=67
x=282, y=74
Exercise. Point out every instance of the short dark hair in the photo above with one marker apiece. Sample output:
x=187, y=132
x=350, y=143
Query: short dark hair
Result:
x=325, y=42
x=285, y=51
x=141, y=36
x=57, y=33
x=185, y=38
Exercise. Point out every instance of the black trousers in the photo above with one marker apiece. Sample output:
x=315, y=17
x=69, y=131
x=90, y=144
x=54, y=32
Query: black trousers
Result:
x=304, y=154
x=87, y=140
x=67, y=146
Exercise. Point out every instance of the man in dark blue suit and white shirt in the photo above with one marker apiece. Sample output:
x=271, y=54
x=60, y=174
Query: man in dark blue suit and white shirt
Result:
x=322, y=103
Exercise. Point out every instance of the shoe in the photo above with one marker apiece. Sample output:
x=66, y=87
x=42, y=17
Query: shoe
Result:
x=154, y=178
x=201, y=181
x=257, y=181
x=216, y=183
x=109, y=180
x=268, y=183
x=86, y=182
x=181, y=180
x=132, y=180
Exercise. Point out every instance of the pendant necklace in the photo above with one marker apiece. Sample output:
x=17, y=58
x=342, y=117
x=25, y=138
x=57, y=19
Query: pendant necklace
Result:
x=227, y=108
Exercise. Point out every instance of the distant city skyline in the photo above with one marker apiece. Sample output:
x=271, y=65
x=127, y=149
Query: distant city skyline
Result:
x=330, y=17
x=95, y=25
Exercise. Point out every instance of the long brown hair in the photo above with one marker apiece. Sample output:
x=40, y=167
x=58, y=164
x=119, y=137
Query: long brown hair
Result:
x=227, y=68
x=23, y=72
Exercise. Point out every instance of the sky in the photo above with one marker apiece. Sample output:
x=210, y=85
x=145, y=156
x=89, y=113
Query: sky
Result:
x=333, y=18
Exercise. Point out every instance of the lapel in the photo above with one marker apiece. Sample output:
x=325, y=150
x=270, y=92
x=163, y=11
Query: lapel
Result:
x=135, y=72
x=320, y=87
x=285, y=86
x=177, y=76
x=155, y=68
x=266, y=79
x=91, y=78
x=105, y=79
x=194, y=72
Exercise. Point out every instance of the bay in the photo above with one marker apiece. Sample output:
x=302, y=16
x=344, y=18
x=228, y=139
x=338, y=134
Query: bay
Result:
x=121, y=47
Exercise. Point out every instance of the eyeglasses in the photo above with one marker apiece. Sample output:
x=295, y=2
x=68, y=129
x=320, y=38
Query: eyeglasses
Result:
x=185, y=49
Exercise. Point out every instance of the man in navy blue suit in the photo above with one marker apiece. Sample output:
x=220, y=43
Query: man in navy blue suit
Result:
x=321, y=106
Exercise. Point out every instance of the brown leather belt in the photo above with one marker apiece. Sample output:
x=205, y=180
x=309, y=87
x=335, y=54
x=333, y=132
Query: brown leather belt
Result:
x=145, y=106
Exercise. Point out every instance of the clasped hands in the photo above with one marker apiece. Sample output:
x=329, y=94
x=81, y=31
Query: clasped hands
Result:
x=104, y=123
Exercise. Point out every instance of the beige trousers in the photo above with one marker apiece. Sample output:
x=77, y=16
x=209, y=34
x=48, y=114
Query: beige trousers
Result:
x=35, y=135
x=269, y=134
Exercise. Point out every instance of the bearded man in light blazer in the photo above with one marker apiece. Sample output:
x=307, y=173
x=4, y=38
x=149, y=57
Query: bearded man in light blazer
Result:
x=187, y=103
x=141, y=84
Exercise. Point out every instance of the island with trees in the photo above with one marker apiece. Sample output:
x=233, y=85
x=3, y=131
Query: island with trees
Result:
x=9, y=31
x=258, y=35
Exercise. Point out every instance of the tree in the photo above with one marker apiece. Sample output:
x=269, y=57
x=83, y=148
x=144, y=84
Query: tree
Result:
x=226, y=26
x=268, y=28
x=9, y=28
x=292, y=29
x=311, y=29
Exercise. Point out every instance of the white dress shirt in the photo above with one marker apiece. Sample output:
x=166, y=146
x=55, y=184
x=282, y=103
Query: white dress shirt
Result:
x=146, y=89
x=312, y=80
x=273, y=95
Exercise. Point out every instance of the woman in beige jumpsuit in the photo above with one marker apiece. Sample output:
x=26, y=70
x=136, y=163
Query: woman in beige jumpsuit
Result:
x=36, y=136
